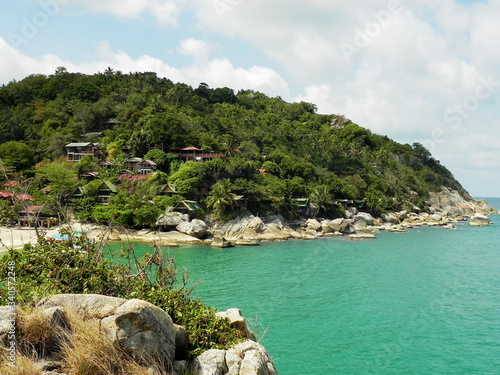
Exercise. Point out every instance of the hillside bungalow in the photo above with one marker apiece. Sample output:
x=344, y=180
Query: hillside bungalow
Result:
x=192, y=208
x=105, y=191
x=33, y=216
x=304, y=207
x=168, y=189
x=146, y=166
x=196, y=154
x=77, y=193
x=75, y=151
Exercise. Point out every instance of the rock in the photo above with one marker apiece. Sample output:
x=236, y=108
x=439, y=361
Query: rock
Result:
x=237, y=321
x=360, y=224
x=144, y=329
x=181, y=341
x=180, y=367
x=136, y=325
x=171, y=219
x=211, y=362
x=456, y=203
x=233, y=362
x=221, y=242
x=350, y=212
x=336, y=225
x=479, y=220
x=325, y=226
x=313, y=224
x=246, y=358
x=436, y=217
x=363, y=235
x=247, y=243
x=389, y=218
x=274, y=232
x=366, y=217
x=256, y=360
x=85, y=305
x=195, y=227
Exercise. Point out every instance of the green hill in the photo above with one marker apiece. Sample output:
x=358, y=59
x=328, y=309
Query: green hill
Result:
x=259, y=153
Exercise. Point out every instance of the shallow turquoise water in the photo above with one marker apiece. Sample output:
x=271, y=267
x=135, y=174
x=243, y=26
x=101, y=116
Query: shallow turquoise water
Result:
x=422, y=302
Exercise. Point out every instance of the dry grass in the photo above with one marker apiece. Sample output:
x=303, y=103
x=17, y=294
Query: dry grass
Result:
x=81, y=349
x=24, y=366
x=36, y=336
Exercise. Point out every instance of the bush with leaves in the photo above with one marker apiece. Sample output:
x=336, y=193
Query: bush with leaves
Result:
x=76, y=265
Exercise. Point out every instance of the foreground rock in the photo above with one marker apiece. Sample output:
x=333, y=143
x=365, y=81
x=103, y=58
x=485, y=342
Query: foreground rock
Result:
x=146, y=332
x=479, y=220
x=135, y=325
x=247, y=358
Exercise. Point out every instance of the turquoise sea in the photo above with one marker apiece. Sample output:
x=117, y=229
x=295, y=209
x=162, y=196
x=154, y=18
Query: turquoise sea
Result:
x=422, y=302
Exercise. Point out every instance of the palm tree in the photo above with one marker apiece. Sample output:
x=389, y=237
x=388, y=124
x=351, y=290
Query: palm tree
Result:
x=321, y=197
x=221, y=197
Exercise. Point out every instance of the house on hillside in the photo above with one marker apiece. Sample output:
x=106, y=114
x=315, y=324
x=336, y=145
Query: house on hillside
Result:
x=75, y=151
x=146, y=166
x=33, y=216
x=105, y=191
x=168, y=189
x=77, y=193
x=195, y=154
x=192, y=208
x=304, y=207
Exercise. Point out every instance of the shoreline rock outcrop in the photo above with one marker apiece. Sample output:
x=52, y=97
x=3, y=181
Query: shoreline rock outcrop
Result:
x=147, y=333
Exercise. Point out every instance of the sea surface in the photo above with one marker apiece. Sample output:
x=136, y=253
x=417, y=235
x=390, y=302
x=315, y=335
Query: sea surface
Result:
x=422, y=302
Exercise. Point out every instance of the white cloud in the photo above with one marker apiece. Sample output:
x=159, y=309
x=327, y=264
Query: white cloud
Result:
x=165, y=12
x=215, y=72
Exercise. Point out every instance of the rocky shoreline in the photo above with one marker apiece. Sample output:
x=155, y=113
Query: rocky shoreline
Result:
x=446, y=209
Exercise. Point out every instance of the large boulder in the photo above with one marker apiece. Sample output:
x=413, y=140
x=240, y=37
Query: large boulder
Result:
x=195, y=227
x=479, y=220
x=136, y=325
x=389, y=218
x=211, y=362
x=366, y=217
x=171, y=219
x=247, y=227
x=313, y=224
x=342, y=225
x=246, y=358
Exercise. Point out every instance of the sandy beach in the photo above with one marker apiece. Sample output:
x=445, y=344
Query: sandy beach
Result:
x=15, y=238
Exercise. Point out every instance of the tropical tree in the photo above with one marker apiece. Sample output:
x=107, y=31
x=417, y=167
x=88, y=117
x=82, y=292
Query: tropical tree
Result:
x=221, y=198
x=322, y=197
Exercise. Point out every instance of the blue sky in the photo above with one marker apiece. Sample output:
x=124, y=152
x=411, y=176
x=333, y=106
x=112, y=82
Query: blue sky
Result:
x=416, y=71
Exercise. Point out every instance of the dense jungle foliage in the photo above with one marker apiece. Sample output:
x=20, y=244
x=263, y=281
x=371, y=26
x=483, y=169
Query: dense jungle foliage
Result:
x=274, y=151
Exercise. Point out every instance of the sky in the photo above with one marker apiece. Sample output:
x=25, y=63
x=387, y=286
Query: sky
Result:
x=422, y=71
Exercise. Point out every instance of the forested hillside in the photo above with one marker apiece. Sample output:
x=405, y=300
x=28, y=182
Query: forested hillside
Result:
x=268, y=152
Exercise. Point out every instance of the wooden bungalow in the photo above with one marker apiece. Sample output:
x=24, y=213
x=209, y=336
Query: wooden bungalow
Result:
x=146, y=166
x=192, y=208
x=75, y=151
x=168, y=189
x=105, y=191
x=195, y=154
x=33, y=216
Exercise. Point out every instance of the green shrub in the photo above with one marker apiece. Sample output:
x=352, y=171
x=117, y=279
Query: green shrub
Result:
x=77, y=265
